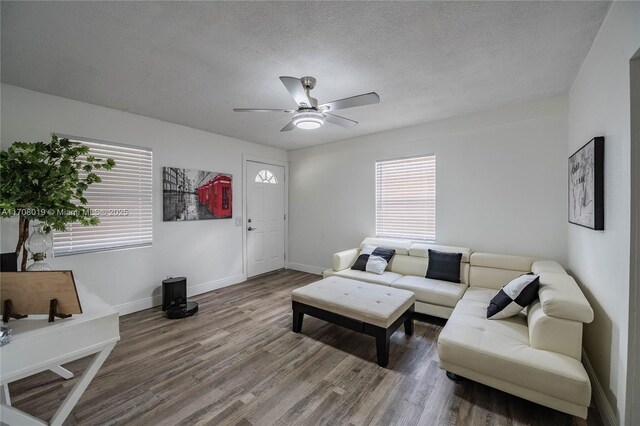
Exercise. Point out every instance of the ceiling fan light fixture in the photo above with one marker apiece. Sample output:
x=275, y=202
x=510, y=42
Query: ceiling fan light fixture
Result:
x=308, y=120
x=309, y=114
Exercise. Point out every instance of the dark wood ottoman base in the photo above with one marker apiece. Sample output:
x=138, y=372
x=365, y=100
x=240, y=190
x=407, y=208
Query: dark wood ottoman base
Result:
x=381, y=334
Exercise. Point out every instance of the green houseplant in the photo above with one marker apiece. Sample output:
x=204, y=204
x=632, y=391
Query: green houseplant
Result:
x=45, y=182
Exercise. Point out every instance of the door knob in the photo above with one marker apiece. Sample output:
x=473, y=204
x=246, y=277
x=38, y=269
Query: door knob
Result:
x=251, y=229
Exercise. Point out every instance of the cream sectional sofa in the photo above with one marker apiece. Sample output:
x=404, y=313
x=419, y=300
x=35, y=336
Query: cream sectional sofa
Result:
x=407, y=271
x=534, y=355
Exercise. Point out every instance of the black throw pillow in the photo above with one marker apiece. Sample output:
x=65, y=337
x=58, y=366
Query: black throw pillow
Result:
x=444, y=266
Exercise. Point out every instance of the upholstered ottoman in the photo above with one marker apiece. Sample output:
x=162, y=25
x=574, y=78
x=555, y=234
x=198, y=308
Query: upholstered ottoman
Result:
x=377, y=311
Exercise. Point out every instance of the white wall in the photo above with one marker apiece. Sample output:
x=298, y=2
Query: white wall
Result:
x=209, y=253
x=501, y=184
x=599, y=105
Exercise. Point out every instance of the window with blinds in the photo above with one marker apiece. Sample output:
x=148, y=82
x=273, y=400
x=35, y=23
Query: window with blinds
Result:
x=123, y=202
x=406, y=198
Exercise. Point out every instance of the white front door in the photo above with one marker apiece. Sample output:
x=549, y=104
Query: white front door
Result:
x=265, y=217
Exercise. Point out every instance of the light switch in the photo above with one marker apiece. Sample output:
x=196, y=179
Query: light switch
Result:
x=238, y=221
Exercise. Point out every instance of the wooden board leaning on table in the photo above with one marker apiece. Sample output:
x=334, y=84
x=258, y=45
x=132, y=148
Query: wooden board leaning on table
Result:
x=32, y=292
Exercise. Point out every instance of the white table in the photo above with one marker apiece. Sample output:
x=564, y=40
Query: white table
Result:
x=38, y=345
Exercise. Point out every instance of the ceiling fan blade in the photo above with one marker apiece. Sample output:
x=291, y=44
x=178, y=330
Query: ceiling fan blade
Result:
x=294, y=86
x=288, y=127
x=263, y=110
x=354, y=101
x=340, y=121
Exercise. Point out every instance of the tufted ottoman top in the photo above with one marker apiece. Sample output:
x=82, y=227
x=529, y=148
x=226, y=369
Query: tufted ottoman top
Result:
x=374, y=304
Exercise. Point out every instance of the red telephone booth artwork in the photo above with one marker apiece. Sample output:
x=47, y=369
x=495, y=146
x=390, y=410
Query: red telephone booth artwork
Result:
x=221, y=198
x=216, y=195
x=196, y=195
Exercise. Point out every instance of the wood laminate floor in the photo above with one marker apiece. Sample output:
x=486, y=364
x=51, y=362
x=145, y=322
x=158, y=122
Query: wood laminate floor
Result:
x=237, y=362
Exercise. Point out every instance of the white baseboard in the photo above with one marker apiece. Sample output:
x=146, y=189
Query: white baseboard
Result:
x=138, y=305
x=214, y=285
x=305, y=268
x=150, y=302
x=605, y=409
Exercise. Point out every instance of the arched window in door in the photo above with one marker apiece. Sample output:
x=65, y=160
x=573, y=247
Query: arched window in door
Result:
x=266, y=176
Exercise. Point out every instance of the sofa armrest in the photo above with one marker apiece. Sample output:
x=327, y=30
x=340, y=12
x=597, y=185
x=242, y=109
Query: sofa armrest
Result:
x=554, y=334
x=344, y=259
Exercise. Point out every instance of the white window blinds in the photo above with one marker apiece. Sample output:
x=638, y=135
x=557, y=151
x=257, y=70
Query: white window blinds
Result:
x=406, y=198
x=123, y=202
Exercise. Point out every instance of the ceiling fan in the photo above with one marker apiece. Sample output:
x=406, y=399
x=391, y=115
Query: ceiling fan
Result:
x=309, y=114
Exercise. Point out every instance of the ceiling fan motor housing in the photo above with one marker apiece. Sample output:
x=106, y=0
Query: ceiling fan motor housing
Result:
x=308, y=82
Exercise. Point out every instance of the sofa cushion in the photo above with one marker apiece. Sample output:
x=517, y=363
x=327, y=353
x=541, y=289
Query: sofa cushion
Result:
x=373, y=259
x=408, y=265
x=479, y=294
x=444, y=266
x=502, y=261
x=400, y=246
x=540, y=266
x=431, y=291
x=495, y=278
x=497, y=270
x=386, y=278
x=514, y=297
x=412, y=265
x=422, y=250
x=501, y=349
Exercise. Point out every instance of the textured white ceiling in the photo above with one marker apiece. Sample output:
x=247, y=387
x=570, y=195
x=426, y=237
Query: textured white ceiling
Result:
x=192, y=62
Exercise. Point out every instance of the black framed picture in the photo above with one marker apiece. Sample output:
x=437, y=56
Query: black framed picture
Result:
x=586, y=185
x=196, y=195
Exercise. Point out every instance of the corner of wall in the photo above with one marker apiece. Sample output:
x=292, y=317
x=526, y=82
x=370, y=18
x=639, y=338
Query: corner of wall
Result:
x=602, y=403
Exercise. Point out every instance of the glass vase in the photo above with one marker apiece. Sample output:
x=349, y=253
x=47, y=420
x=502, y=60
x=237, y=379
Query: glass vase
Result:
x=38, y=244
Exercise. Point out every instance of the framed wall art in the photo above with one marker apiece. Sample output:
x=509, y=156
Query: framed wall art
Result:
x=586, y=185
x=196, y=195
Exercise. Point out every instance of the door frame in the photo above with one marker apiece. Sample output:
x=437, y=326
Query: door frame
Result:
x=632, y=403
x=256, y=159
